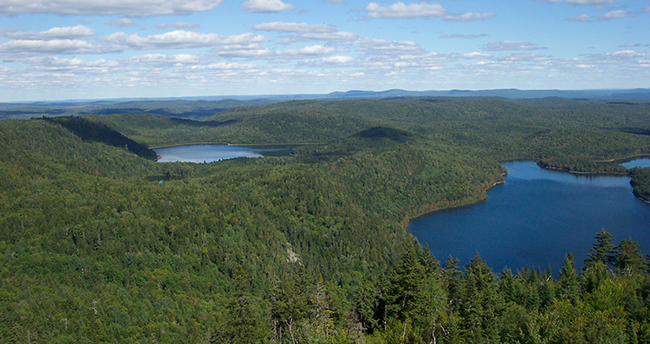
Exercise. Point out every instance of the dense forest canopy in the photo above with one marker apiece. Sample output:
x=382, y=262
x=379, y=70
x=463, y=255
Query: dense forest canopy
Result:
x=310, y=247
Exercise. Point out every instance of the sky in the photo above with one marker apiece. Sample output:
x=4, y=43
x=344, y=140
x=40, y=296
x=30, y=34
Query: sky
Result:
x=87, y=49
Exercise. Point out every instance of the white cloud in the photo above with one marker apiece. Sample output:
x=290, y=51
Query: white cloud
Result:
x=129, y=8
x=617, y=14
x=178, y=25
x=475, y=55
x=75, y=65
x=464, y=36
x=54, y=46
x=124, y=22
x=224, y=66
x=76, y=32
x=510, y=45
x=266, y=6
x=165, y=60
x=400, y=10
x=317, y=36
x=581, y=18
x=629, y=45
x=243, y=51
x=294, y=27
x=308, y=52
x=583, y=2
x=385, y=48
x=469, y=17
x=179, y=39
x=339, y=59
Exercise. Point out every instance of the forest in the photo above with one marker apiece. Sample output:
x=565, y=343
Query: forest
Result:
x=310, y=247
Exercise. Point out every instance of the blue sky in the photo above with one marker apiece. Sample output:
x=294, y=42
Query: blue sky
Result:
x=86, y=49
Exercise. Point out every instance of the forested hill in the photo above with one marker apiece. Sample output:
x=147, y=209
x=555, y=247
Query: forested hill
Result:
x=93, y=131
x=305, y=248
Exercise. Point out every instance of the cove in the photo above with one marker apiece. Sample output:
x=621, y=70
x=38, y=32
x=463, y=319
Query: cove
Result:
x=212, y=153
x=535, y=218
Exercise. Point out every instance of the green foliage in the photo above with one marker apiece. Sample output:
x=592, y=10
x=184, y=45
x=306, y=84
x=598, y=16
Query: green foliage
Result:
x=303, y=248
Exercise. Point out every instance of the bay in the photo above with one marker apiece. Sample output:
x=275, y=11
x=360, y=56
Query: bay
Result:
x=535, y=218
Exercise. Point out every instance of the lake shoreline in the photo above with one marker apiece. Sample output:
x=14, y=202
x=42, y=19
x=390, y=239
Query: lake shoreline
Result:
x=473, y=200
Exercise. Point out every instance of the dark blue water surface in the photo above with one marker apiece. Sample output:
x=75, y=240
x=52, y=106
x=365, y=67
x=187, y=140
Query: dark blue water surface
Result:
x=535, y=218
x=209, y=153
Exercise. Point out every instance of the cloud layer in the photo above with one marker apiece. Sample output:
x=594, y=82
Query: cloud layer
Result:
x=129, y=8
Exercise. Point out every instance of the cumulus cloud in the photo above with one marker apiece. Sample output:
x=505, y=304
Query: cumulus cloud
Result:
x=266, y=6
x=422, y=10
x=401, y=10
x=475, y=55
x=583, y=2
x=617, y=14
x=242, y=51
x=178, y=25
x=77, y=65
x=381, y=51
x=339, y=59
x=54, y=46
x=129, y=8
x=160, y=60
x=469, y=17
x=294, y=27
x=308, y=52
x=510, y=45
x=76, y=32
x=124, y=22
x=222, y=66
x=179, y=39
x=464, y=36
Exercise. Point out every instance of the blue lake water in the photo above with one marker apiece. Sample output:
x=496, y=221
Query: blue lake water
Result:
x=210, y=153
x=535, y=218
x=645, y=162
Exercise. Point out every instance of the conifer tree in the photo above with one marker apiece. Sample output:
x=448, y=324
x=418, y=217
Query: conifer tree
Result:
x=629, y=259
x=603, y=250
x=568, y=281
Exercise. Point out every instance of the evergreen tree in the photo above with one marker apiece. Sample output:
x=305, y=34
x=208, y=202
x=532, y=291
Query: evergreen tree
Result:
x=602, y=251
x=243, y=324
x=568, y=281
x=481, y=302
x=430, y=263
x=629, y=259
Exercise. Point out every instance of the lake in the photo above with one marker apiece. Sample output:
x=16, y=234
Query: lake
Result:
x=645, y=162
x=535, y=218
x=211, y=153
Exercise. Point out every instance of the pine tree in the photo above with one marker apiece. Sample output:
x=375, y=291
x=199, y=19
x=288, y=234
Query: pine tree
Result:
x=603, y=250
x=481, y=301
x=568, y=281
x=629, y=259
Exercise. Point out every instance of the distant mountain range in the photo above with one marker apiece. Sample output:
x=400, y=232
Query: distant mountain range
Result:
x=204, y=106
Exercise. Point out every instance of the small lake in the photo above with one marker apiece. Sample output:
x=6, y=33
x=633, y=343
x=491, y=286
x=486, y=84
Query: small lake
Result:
x=211, y=153
x=535, y=218
x=645, y=162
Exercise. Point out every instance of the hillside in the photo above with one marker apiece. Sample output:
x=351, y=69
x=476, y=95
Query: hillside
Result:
x=309, y=247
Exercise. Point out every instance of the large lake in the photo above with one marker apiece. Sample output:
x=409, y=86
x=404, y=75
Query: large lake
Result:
x=211, y=153
x=535, y=218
